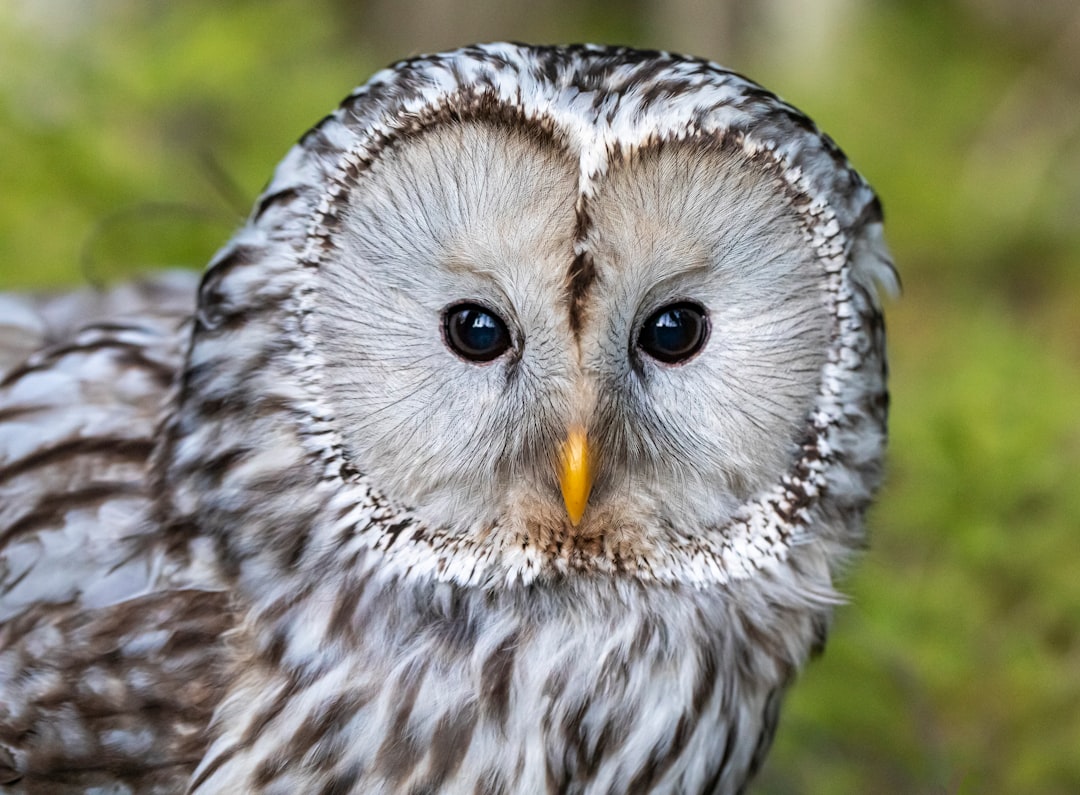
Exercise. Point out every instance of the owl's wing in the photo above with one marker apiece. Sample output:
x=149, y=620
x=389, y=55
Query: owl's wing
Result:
x=106, y=651
x=84, y=380
x=29, y=323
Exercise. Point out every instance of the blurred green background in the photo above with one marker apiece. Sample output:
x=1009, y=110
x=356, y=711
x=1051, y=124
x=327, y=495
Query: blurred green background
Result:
x=136, y=134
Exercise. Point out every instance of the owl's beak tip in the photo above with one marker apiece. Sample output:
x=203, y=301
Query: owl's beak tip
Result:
x=575, y=473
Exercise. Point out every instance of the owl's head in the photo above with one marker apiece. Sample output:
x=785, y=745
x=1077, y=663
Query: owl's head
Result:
x=547, y=309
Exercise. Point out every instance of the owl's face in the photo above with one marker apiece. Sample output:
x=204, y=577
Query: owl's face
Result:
x=570, y=307
x=479, y=312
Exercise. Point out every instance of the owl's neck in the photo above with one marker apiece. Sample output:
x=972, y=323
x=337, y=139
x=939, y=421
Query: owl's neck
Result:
x=391, y=687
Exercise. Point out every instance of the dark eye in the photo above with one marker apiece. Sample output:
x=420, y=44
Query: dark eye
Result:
x=475, y=333
x=674, y=333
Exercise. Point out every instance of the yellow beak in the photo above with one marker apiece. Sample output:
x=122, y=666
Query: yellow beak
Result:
x=575, y=475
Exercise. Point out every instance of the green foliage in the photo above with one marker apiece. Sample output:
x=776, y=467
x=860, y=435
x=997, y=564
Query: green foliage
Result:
x=954, y=668
x=137, y=135
x=146, y=148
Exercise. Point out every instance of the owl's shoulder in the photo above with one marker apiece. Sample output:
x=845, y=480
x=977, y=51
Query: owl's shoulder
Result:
x=108, y=651
x=84, y=385
x=32, y=324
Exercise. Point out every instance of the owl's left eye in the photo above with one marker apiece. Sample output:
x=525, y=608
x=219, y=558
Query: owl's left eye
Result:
x=674, y=333
x=475, y=333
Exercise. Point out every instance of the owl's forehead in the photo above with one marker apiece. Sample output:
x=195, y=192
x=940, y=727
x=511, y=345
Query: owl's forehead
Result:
x=570, y=141
x=594, y=116
x=603, y=104
x=596, y=110
x=480, y=192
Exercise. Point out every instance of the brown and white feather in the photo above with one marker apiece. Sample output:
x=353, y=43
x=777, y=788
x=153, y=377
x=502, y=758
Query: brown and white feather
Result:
x=272, y=535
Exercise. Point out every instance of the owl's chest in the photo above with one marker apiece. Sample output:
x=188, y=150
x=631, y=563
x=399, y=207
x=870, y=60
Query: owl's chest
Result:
x=495, y=701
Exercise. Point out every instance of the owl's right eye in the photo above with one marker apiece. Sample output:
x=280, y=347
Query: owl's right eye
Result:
x=674, y=333
x=475, y=333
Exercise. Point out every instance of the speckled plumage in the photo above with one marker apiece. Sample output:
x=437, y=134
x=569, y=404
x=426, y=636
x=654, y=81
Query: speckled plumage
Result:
x=275, y=538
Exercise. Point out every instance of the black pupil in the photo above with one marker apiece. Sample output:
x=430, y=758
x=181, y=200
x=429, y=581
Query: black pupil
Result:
x=674, y=333
x=475, y=333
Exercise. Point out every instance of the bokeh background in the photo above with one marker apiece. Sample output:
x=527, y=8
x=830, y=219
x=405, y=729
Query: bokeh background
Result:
x=136, y=133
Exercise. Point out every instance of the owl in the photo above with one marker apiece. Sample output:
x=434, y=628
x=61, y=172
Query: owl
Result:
x=513, y=445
